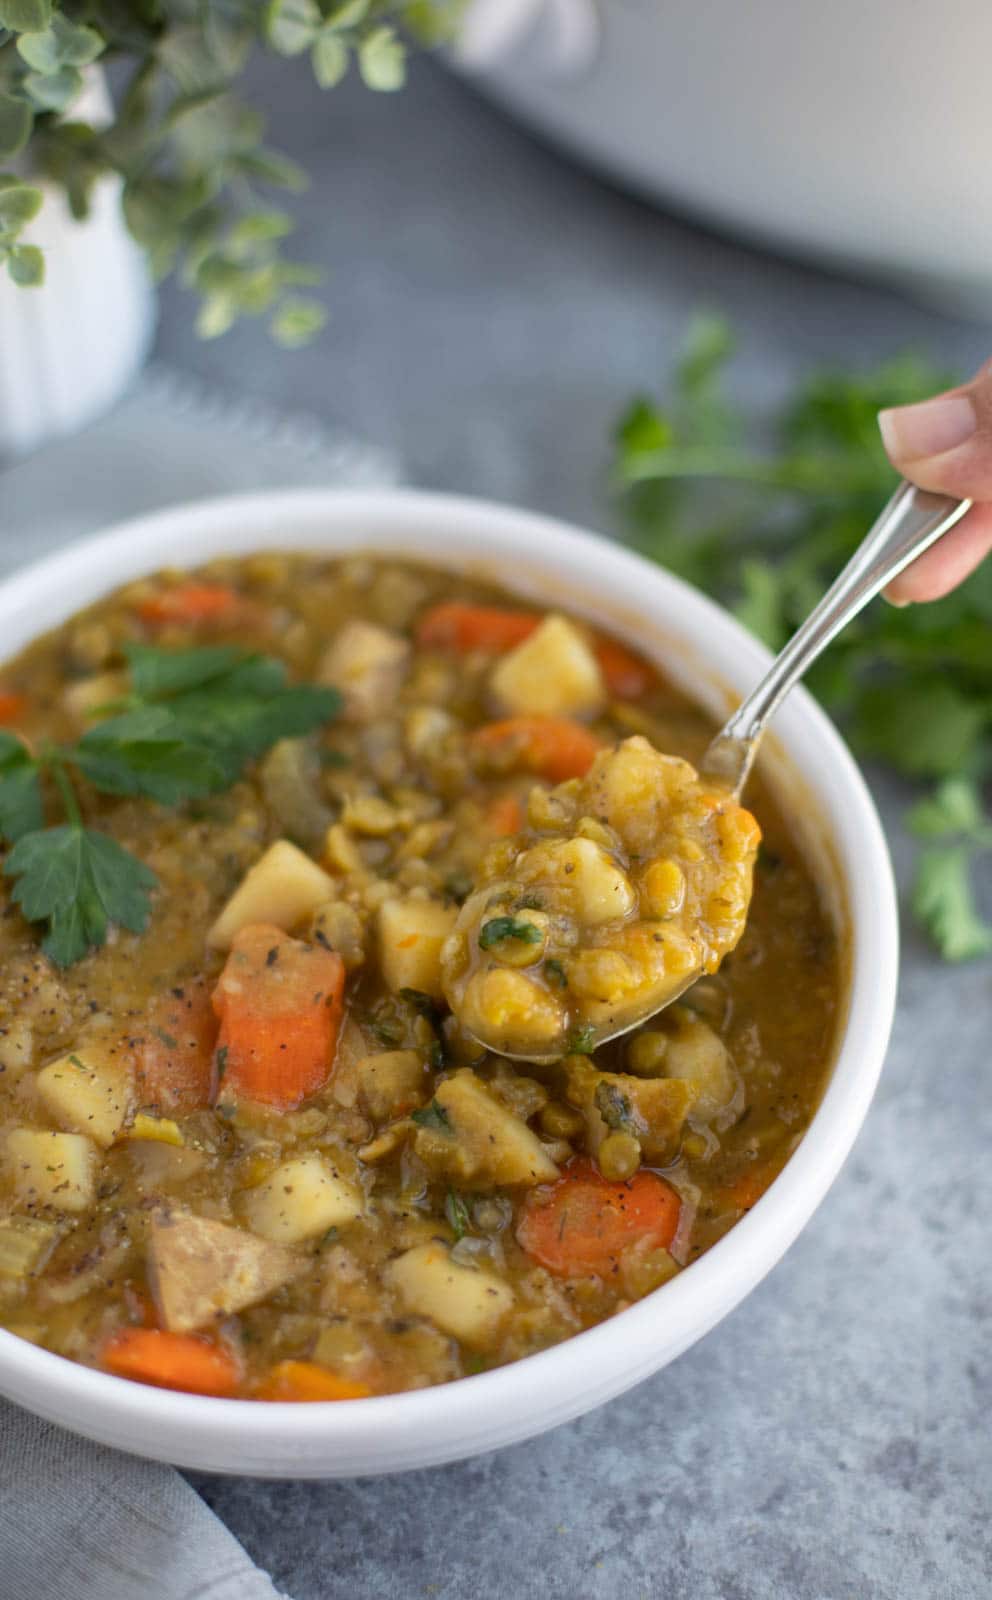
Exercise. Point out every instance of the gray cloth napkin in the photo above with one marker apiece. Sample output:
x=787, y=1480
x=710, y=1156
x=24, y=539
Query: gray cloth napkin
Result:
x=79, y=1521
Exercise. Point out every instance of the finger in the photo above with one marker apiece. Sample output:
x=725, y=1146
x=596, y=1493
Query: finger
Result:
x=945, y=444
x=948, y=562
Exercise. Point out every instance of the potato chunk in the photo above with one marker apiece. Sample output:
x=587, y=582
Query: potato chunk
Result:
x=652, y=1109
x=467, y=1302
x=52, y=1169
x=552, y=673
x=480, y=1142
x=368, y=664
x=587, y=881
x=200, y=1270
x=411, y=933
x=87, y=1094
x=299, y=1200
x=281, y=889
x=698, y=1055
x=391, y=1083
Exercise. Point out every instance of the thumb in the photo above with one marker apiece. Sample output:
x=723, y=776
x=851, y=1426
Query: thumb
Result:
x=945, y=444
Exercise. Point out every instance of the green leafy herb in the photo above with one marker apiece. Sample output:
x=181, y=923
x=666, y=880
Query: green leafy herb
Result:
x=432, y=1116
x=953, y=823
x=189, y=726
x=582, y=1039
x=456, y=1212
x=613, y=1106
x=767, y=526
x=194, y=169
x=499, y=928
x=556, y=972
x=424, y=1004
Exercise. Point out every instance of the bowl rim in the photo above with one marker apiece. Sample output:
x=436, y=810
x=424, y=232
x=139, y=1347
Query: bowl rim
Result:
x=478, y=1412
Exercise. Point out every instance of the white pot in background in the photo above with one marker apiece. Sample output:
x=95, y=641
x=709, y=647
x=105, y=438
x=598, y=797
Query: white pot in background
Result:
x=856, y=134
x=69, y=348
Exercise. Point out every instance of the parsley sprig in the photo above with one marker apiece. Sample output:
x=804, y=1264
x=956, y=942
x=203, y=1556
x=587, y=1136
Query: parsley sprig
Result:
x=767, y=525
x=189, y=725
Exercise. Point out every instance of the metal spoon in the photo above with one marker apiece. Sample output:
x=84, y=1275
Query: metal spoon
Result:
x=910, y=523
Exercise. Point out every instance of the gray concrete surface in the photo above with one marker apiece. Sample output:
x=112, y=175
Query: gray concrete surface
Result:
x=493, y=308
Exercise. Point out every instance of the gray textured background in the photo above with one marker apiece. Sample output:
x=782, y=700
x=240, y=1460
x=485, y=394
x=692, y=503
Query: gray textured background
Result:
x=493, y=309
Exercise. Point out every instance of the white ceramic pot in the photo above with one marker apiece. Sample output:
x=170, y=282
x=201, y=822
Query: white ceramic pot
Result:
x=714, y=657
x=858, y=134
x=70, y=347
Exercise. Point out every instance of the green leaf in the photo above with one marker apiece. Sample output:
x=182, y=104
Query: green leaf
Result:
x=924, y=728
x=497, y=929
x=613, y=1106
x=382, y=60
x=61, y=44
x=269, y=166
x=456, y=1212
x=157, y=673
x=19, y=205
x=954, y=808
x=644, y=428
x=582, y=1040
x=20, y=790
x=145, y=752
x=55, y=91
x=329, y=58
x=432, y=1116
x=25, y=16
x=297, y=322
x=291, y=26
x=944, y=903
x=16, y=121
x=348, y=15
x=78, y=882
x=761, y=606
x=26, y=265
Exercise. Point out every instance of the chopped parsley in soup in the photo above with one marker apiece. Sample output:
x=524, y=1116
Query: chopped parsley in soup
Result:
x=303, y=855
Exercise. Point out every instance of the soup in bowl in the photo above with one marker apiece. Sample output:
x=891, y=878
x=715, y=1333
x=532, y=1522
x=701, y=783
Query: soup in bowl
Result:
x=253, y=1150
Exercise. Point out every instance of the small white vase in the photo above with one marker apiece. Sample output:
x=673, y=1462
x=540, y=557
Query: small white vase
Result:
x=70, y=347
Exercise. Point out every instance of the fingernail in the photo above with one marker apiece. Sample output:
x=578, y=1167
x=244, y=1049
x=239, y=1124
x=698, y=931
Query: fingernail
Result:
x=911, y=433
x=900, y=605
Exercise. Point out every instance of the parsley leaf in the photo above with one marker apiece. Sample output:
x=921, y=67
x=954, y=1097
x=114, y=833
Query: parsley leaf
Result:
x=456, y=1212
x=944, y=902
x=78, y=881
x=499, y=928
x=432, y=1116
x=20, y=789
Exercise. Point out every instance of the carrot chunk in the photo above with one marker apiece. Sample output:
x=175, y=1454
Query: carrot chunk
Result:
x=172, y=1361
x=12, y=706
x=174, y=1054
x=456, y=625
x=555, y=748
x=191, y=604
x=307, y=1380
x=280, y=1004
x=583, y=1223
x=626, y=675
x=505, y=816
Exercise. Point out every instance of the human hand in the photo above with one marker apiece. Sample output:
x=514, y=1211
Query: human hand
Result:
x=945, y=444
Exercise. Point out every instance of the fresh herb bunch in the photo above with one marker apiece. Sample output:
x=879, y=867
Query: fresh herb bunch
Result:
x=188, y=728
x=767, y=526
x=192, y=157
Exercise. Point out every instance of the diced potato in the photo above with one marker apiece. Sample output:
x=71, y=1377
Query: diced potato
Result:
x=368, y=664
x=25, y=1243
x=411, y=933
x=16, y=1048
x=699, y=1056
x=585, y=877
x=632, y=788
x=391, y=1083
x=480, y=1142
x=467, y=1302
x=299, y=1200
x=282, y=888
x=552, y=673
x=52, y=1169
x=652, y=1109
x=200, y=1270
x=89, y=695
x=88, y=1093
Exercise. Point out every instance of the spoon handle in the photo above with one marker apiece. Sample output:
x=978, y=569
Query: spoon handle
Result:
x=908, y=525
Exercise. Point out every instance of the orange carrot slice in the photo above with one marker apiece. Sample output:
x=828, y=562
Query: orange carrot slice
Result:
x=186, y=1361
x=308, y=1381
x=582, y=1223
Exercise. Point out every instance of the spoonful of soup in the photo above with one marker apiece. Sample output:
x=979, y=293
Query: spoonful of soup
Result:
x=634, y=880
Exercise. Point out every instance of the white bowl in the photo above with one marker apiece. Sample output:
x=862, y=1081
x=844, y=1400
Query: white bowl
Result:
x=695, y=642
